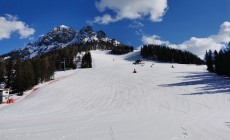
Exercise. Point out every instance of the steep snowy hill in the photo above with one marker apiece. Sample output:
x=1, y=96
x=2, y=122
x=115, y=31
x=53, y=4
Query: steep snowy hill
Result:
x=61, y=37
x=110, y=102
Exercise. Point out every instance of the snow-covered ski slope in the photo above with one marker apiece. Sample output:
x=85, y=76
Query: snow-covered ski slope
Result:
x=109, y=102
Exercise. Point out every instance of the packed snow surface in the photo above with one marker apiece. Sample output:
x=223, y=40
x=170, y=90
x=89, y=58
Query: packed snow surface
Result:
x=110, y=102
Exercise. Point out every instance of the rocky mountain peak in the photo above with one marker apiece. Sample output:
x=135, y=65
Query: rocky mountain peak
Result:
x=60, y=34
x=63, y=36
x=101, y=34
x=87, y=29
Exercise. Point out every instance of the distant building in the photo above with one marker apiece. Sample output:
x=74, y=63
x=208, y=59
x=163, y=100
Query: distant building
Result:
x=139, y=61
x=4, y=93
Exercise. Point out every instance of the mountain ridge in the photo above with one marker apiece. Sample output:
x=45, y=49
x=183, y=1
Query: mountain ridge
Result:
x=60, y=37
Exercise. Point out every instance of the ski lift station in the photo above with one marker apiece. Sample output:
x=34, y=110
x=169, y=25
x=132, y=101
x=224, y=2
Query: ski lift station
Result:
x=4, y=94
x=139, y=61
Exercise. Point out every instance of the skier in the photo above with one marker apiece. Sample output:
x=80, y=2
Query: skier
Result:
x=134, y=71
x=152, y=65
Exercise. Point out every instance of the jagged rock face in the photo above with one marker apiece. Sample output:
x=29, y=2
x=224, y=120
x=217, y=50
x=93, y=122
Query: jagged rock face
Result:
x=101, y=34
x=61, y=34
x=86, y=34
x=88, y=30
x=60, y=37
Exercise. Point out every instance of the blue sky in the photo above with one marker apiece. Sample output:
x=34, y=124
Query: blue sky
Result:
x=193, y=25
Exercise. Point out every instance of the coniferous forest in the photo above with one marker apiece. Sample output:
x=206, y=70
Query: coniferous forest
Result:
x=2, y=70
x=22, y=74
x=218, y=62
x=166, y=54
x=122, y=50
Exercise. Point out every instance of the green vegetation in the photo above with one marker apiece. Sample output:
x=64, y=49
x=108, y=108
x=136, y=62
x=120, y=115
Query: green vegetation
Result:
x=218, y=62
x=166, y=54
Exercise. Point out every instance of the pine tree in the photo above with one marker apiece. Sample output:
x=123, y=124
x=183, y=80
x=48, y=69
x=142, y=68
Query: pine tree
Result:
x=227, y=62
x=86, y=60
x=221, y=62
x=37, y=70
x=20, y=83
x=2, y=71
x=216, y=62
x=10, y=73
x=90, y=60
x=29, y=74
x=209, y=61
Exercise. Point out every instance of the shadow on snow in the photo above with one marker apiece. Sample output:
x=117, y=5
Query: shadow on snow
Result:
x=209, y=83
x=133, y=56
x=228, y=124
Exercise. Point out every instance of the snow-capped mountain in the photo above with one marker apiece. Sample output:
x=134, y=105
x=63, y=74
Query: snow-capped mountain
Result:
x=61, y=34
x=61, y=37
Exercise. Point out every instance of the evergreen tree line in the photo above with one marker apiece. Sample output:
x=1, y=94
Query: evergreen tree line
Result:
x=21, y=75
x=218, y=62
x=64, y=58
x=2, y=70
x=166, y=54
x=86, y=60
x=121, y=49
x=101, y=45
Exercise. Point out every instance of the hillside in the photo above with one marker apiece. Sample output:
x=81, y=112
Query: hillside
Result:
x=110, y=102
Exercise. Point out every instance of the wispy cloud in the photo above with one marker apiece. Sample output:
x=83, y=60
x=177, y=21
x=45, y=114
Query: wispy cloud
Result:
x=196, y=45
x=31, y=38
x=10, y=24
x=131, y=9
x=137, y=25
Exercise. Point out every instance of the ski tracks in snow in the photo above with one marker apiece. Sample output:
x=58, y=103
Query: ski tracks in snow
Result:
x=110, y=102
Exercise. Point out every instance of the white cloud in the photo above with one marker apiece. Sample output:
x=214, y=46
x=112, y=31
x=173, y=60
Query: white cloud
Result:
x=131, y=9
x=10, y=24
x=224, y=33
x=105, y=19
x=154, y=39
x=196, y=45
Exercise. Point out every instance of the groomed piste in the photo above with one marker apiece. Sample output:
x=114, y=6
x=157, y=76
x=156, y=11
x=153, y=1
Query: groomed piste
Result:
x=110, y=102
